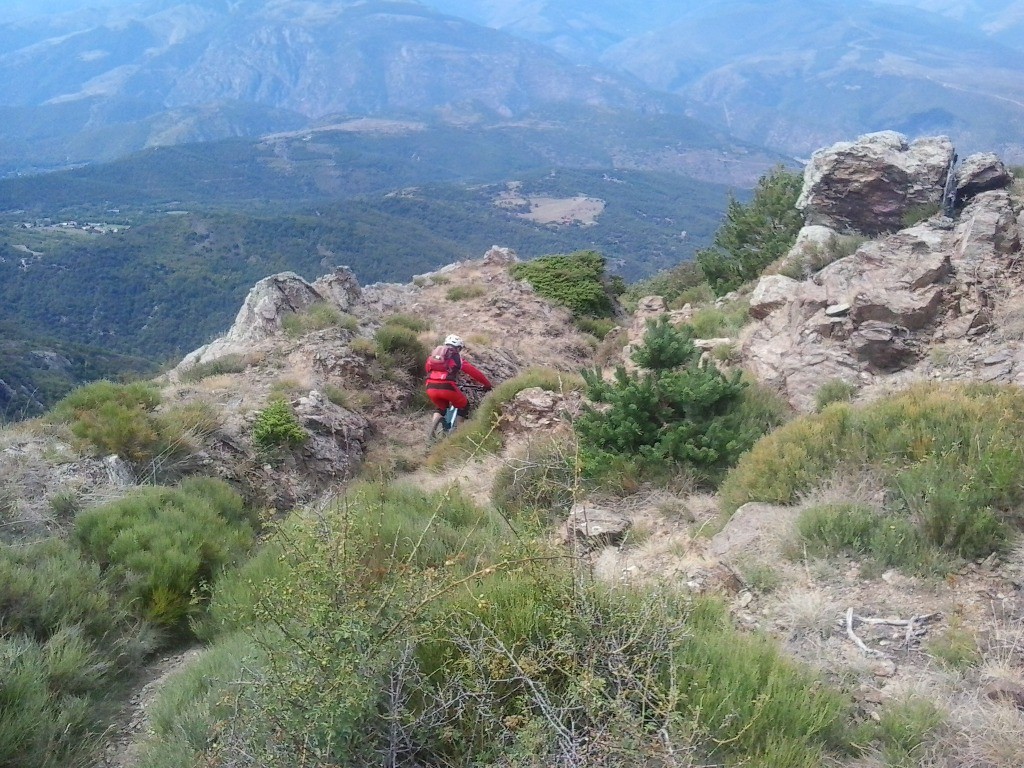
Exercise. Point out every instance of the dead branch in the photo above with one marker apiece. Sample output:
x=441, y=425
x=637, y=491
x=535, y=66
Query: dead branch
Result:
x=913, y=625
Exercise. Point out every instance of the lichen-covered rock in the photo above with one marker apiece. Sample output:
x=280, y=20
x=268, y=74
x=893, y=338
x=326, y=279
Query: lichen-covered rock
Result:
x=869, y=185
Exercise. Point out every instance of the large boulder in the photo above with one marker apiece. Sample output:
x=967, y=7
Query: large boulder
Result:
x=981, y=172
x=869, y=185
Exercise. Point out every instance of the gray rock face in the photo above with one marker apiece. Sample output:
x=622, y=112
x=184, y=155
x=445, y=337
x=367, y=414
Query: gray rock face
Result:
x=772, y=292
x=878, y=313
x=981, y=172
x=269, y=300
x=868, y=186
x=337, y=439
x=340, y=287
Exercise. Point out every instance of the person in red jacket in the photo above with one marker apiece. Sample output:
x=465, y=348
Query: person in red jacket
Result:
x=443, y=368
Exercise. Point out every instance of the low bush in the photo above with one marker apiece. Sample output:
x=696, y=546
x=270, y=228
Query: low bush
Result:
x=542, y=481
x=227, y=364
x=949, y=456
x=888, y=540
x=413, y=323
x=599, y=327
x=463, y=292
x=675, y=413
x=713, y=322
x=834, y=391
x=114, y=418
x=317, y=317
x=485, y=650
x=684, y=279
x=906, y=729
x=277, y=427
x=65, y=642
x=161, y=544
x=400, y=347
x=576, y=281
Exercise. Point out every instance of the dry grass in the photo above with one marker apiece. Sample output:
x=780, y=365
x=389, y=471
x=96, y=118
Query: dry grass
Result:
x=808, y=611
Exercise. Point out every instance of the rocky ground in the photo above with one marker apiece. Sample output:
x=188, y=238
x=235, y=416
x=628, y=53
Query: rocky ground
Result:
x=954, y=288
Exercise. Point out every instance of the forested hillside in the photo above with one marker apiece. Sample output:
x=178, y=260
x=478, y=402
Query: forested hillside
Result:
x=162, y=287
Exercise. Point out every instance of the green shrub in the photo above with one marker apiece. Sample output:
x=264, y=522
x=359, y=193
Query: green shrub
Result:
x=414, y=324
x=276, y=427
x=888, y=540
x=47, y=585
x=227, y=364
x=394, y=611
x=542, y=480
x=754, y=235
x=42, y=721
x=675, y=413
x=949, y=456
x=956, y=646
x=814, y=257
x=194, y=707
x=66, y=641
x=317, y=317
x=919, y=213
x=463, y=292
x=576, y=280
x=834, y=391
x=712, y=322
x=670, y=284
x=161, y=544
x=400, y=347
x=114, y=418
x=596, y=326
x=905, y=729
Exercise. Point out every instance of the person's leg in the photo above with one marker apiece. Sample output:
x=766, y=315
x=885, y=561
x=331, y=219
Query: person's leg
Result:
x=440, y=400
x=461, y=402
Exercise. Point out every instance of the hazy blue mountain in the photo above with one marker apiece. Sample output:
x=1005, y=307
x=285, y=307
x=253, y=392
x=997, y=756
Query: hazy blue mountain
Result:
x=94, y=85
x=800, y=74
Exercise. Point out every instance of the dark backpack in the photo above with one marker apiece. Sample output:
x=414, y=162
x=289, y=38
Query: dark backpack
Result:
x=444, y=363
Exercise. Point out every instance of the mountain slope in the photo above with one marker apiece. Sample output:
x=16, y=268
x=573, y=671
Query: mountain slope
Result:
x=168, y=73
x=799, y=75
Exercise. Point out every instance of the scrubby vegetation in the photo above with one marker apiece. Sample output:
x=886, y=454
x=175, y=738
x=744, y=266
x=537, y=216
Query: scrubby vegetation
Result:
x=121, y=419
x=80, y=616
x=949, y=458
x=317, y=317
x=428, y=634
x=754, y=235
x=576, y=281
x=277, y=427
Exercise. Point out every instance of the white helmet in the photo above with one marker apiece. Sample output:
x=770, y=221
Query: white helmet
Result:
x=454, y=341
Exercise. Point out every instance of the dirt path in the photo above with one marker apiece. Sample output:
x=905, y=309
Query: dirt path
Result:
x=131, y=726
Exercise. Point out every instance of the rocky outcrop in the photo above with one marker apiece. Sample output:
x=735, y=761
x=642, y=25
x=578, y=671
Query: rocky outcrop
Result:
x=269, y=300
x=869, y=185
x=535, y=409
x=881, y=310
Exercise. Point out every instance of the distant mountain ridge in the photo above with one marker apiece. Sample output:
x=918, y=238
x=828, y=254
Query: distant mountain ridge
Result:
x=797, y=75
x=73, y=90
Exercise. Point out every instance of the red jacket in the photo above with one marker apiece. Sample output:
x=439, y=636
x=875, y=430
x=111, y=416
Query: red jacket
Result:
x=441, y=380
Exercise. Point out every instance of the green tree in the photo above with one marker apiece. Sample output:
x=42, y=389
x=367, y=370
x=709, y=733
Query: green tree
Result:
x=754, y=235
x=675, y=411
